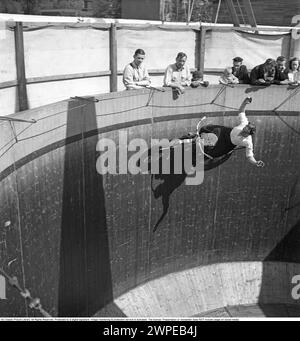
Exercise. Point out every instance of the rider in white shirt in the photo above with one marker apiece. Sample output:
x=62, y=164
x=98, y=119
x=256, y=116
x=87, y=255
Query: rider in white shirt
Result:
x=228, y=138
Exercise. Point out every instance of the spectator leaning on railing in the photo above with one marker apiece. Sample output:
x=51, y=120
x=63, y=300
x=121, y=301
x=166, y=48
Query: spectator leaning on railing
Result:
x=135, y=75
x=294, y=71
x=197, y=80
x=240, y=71
x=178, y=75
x=281, y=73
x=228, y=77
x=263, y=74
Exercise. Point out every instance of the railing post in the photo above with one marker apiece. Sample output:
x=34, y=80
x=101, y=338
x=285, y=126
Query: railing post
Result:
x=20, y=65
x=201, y=44
x=291, y=47
x=113, y=58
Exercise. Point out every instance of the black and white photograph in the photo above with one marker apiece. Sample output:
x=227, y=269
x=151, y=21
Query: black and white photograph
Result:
x=150, y=162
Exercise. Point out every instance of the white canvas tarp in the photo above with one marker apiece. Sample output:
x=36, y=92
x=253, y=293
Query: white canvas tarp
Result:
x=57, y=51
x=7, y=54
x=8, y=101
x=296, y=47
x=161, y=46
x=221, y=47
x=8, y=98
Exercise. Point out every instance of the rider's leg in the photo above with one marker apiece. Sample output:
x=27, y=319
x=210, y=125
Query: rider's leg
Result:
x=246, y=101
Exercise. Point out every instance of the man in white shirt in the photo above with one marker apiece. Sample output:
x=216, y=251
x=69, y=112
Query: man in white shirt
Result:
x=226, y=138
x=135, y=75
x=178, y=75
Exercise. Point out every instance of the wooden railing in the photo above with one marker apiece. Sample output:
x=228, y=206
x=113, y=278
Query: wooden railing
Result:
x=21, y=81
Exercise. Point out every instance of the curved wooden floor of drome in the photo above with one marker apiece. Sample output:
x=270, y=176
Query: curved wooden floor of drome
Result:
x=84, y=244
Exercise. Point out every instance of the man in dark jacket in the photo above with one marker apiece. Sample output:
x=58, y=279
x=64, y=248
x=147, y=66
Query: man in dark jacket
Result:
x=240, y=71
x=263, y=74
x=281, y=73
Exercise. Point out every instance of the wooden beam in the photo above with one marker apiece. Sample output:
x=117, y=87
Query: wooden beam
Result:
x=248, y=29
x=8, y=84
x=249, y=12
x=162, y=10
x=291, y=48
x=201, y=53
x=154, y=72
x=72, y=76
x=166, y=26
x=113, y=58
x=214, y=71
x=20, y=65
x=232, y=11
x=197, y=50
x=56, y=78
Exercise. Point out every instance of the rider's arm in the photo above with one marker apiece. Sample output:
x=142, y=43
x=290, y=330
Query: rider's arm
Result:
x=256, y=163
x=250, y=156
x=243, y=118
x=252, y=160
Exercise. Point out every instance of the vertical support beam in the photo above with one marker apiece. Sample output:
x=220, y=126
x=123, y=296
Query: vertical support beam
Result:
x=162, y=10
x=2, y=288
x=232, y=11
x=249, y=12
x=197, y=49
x=113, y=58
x=291, y=47
x=20, y=65
x=201, y=44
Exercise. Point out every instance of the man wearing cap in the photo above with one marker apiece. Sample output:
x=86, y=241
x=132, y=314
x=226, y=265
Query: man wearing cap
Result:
x=240, y=71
